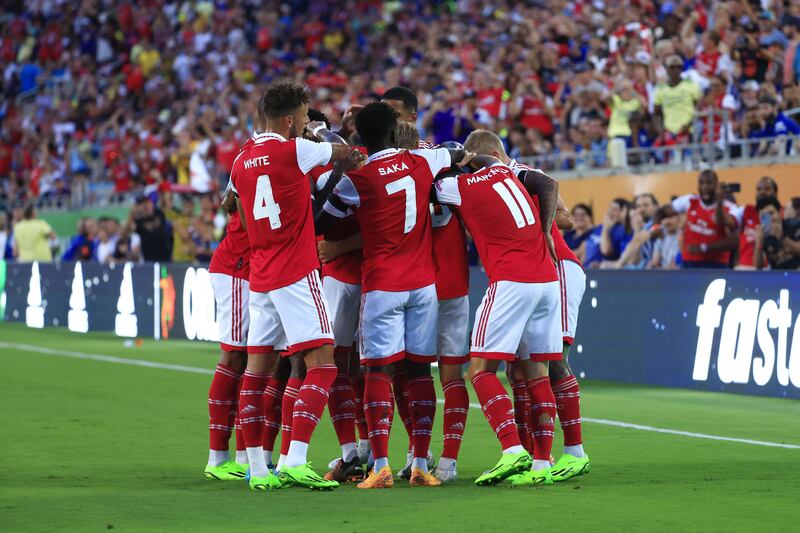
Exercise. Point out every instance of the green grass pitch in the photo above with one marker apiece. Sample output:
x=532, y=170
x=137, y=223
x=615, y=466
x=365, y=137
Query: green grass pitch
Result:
x=96, y=445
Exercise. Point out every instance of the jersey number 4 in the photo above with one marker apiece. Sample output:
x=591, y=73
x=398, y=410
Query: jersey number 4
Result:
x=406, y=183
x=517, y=203
x=265, y=205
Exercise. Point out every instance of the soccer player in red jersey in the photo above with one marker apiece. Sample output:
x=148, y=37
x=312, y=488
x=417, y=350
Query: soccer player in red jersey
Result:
x=230, y=271
x=749, y=222
x=572, y=285
x=287, y=306
x=390, y=197
x=522, y=303
x=709, y=233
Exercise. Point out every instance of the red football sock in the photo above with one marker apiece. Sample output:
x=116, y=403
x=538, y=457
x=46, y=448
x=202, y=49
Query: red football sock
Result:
x=568, y=403
x=378, y=409
x=496, y=407
x=543, y=413
x=290, y=393
x=311, y=401
x=522, y=413
x=342, y=408
x=251, y=407
x=456, y=406
x=273, y=396
x=401, y=396
x=423, y=410
x=240, y=447
x=361, y=419
x=222, y=406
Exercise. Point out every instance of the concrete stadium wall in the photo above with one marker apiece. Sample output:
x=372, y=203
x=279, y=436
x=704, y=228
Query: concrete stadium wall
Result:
x=598, y=192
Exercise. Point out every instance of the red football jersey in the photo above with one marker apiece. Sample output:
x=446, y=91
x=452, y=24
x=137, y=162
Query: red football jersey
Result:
x=390, y=197
x=232, y=256
x=270, y=177
x=503, y=221
x=347, y=267
x=563, y=252
x=701, y=227
x=449, y=254
x=747, y=237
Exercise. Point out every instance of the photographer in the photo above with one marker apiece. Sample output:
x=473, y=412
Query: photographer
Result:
x=155, y=232
x=778, y=239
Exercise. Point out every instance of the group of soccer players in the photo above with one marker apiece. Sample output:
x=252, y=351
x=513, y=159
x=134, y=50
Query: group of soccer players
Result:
x=344, y=275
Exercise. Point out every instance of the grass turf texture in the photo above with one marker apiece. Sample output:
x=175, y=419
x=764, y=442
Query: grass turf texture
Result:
x=91, y=445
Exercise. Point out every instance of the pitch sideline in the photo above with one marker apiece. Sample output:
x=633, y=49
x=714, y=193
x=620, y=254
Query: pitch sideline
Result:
x=199, y=370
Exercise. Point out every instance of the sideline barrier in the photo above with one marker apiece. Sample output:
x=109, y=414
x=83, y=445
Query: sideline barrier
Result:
x=707, y=330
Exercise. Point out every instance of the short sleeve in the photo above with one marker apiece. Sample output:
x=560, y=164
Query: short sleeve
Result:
x=697, y=93
x=447, y=191
x=438, y=159
x=311, y=154
x=322, y=180
x=343, y=199
x=681, y=203
x=657, y=96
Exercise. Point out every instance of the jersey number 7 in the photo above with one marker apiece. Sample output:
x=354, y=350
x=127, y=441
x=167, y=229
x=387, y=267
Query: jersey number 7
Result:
x=264, y=205
x=513, y=198
x=406, y=183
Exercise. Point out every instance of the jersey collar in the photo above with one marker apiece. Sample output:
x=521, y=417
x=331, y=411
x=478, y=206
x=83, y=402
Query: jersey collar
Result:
x=383, y=153
x=261, y=135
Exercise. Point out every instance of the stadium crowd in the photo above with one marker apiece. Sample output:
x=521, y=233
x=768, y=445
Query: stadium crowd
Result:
x=106, y=97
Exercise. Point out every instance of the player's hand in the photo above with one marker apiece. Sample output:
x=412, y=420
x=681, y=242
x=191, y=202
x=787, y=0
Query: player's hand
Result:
x=551, y=246
x=355, y=159
x=349, y=118
x=327, y=251
x=311, y=126
x=468, y=156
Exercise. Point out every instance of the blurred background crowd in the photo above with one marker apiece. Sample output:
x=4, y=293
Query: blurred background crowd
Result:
x=110, y=100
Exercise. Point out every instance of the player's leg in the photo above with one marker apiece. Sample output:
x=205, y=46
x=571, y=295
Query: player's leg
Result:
x=421, y=316
x=231, y=300
x=273, y=409
x=542, y=341
x=499, y=323
x=382, y=344
x=303, y=311
x=515, y=372
x=574, y=460
x=265, y=337
x=453, y=349
x=297, y=373
x=357, y=379
x=402, y=398
x=343, y=299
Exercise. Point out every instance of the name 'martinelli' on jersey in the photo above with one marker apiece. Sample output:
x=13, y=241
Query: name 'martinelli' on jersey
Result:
x=488, y=175
x=256, y=162
x=392, y=169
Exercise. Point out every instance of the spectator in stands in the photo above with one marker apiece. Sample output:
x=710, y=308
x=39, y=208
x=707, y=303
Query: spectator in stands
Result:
x=773, y=123
x=710, y=230
x=624, y=102
x=778, y=238
x=616, y=231
x=182, y=251
x=155, y=232
x=667, y=245
x=81, y=247
x=106, y=241
x=675, y=103
x=639, y=251
x=749, y=223
x=583, y=225
x=32, y=238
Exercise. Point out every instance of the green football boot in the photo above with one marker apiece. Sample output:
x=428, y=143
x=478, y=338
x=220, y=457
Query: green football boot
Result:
x=508, y=465
x=268, y=482
x=304, y=476
x=227, y=471
x=533, y=477
x=569, y=466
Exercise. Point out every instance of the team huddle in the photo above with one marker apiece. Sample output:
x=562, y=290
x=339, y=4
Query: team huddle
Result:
x=344, y=275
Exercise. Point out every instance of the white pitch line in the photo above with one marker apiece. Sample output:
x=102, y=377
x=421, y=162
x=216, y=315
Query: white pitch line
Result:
x=206, y=371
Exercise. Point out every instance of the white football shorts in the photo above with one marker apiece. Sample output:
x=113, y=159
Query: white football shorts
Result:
x=233, y=316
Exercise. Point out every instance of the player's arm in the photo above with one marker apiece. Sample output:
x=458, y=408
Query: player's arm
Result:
x=330, y=250
x=354, y=160
x=340, y=203
x=312, y=154
x=546, y=188
x=320, y=132
x=564, y=220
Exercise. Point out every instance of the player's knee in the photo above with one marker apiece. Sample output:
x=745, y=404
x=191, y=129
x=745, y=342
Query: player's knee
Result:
x=479, y=364
x=389, y=370
x=298, y=366
x=322, y=355
x=515, y=371
x=417, y=370
x=262, y=363
x=559, y=370
x=448, y=373
x=284, y=369
x=536, y=369
x=235, y=360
